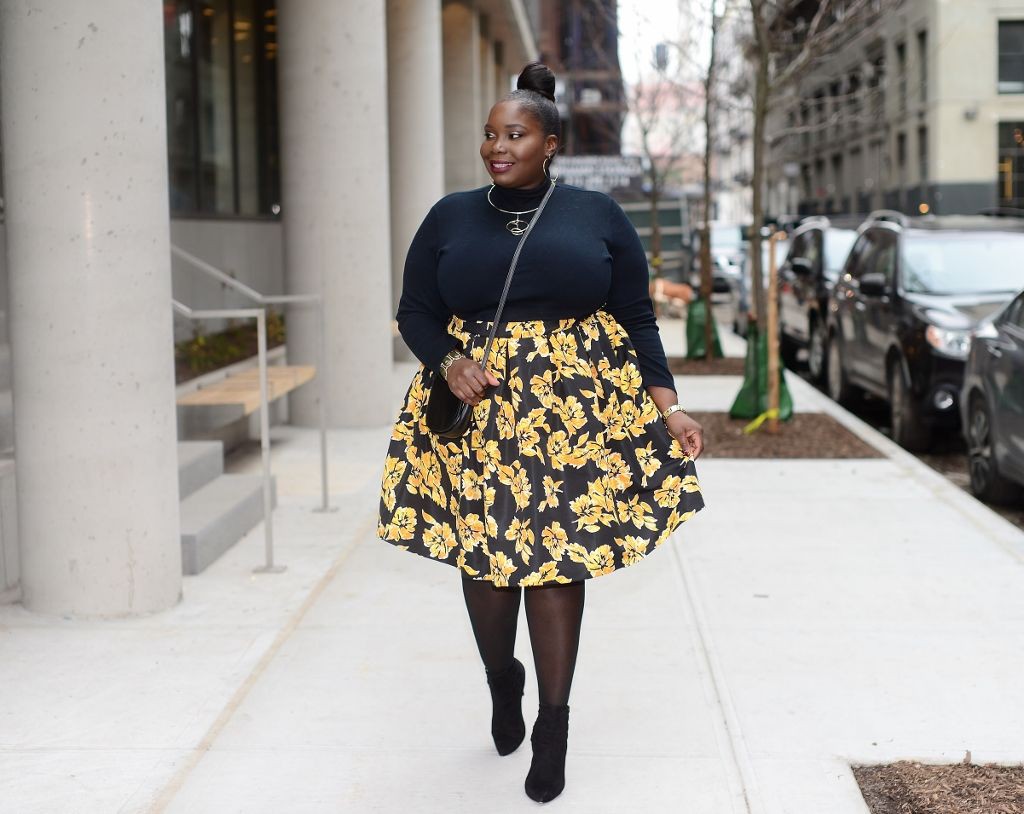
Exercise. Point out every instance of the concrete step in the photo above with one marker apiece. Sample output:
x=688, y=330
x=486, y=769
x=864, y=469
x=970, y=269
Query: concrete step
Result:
x=218, y=515
x=199, y=462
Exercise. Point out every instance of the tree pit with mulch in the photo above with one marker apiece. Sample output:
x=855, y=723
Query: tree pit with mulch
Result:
x=908, y=787
x=805, y=435
x=724, y=366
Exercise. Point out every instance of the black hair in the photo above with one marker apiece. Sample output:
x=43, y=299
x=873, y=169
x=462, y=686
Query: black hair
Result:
x=535, y=90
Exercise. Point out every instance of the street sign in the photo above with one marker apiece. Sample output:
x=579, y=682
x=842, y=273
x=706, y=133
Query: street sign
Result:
x=599, y=172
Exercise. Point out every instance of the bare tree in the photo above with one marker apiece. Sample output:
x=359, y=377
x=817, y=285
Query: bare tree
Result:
x=706, y=275
x=664, y=109
x=786, y=45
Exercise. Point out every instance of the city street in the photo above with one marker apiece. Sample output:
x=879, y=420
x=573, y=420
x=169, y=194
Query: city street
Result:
x=235, y=528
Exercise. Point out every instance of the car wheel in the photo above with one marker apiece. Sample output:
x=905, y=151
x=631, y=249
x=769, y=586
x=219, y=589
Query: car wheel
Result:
x=839, y=388
x=986, y=482
x=816, y=353
x=909, y=428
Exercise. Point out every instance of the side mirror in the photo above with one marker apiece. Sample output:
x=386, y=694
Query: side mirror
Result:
x=801, y=266
x=874, y=285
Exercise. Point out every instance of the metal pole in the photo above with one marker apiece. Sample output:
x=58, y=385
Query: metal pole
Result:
x=268, y=508
x=321, y=380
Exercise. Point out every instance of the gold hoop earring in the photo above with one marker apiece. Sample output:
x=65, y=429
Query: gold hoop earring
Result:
x=546, y=162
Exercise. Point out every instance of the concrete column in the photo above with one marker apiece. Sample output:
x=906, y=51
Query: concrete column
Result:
x=415, y=127
x=463, y=117
x=487, y=72
x=85, y=177
x=332, y=76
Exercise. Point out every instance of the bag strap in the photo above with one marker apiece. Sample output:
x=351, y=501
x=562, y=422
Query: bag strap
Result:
x=511, y=271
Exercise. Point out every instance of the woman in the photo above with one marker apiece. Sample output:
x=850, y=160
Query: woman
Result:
x=579, y=460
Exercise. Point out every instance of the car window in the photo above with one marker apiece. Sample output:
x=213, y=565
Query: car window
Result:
x=1015, y=313
x=963, y=262
x=884, y=261
x=861, y=250
x=810, y=248
x=837, y=247
x=796, y=249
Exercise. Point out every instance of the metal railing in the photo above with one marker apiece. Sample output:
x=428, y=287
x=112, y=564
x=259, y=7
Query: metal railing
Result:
x=260, y=315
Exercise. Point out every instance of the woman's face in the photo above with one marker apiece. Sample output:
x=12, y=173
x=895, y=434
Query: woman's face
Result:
x=514, y=146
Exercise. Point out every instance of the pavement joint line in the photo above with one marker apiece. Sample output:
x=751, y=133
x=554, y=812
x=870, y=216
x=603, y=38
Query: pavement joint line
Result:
x=174, y=785
x=740, y=773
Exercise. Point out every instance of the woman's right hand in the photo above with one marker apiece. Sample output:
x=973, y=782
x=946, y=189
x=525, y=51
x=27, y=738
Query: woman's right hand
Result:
x=468, y=382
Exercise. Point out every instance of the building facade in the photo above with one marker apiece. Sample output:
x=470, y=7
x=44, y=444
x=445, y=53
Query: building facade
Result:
x=578, y=40
x=295, y=144
x=921, y=109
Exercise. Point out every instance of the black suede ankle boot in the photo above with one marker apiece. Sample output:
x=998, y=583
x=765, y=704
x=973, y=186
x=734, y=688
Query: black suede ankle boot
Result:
x=507, y=725
x=550, y=739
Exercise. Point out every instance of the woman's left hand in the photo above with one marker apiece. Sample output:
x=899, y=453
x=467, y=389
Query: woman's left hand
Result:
x=687, y=432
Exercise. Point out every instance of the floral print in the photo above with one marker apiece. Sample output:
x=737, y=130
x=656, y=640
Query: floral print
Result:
x=567, y=471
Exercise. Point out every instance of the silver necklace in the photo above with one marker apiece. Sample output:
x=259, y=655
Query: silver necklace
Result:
x=517, y=225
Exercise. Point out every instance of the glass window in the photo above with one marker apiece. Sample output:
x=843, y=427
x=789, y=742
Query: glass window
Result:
x=1011, y=56
x=216, y=159
x=922, y=154
x=963, y=262
x=1011, y=164
x=179, y=35
x=837, y=248
x=1014, y=313
x=861, y=251
x=222, y=106
x=922, y=63
x=883, y=260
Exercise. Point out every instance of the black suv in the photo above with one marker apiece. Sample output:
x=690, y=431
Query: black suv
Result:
x=902, y=311
x=817, y=252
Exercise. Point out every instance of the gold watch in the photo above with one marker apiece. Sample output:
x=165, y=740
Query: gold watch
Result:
x=675, y=408
x=449, y=358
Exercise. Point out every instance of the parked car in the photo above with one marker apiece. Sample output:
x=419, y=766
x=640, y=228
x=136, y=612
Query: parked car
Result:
x=742, y=294
x=901, y=313
x=728, y=249
x=992, y=405
x=818, y=250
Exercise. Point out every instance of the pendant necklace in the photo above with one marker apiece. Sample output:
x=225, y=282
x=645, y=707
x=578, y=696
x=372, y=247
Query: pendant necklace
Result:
x=517, y=225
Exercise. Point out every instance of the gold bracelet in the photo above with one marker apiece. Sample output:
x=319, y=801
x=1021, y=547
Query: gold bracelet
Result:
x=675, y=408
x=449, y=359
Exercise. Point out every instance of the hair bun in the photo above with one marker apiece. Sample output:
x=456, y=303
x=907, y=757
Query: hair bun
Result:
x=537, y=77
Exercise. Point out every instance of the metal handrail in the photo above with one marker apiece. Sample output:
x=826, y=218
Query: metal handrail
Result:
x=321, y=368
x=260, y=315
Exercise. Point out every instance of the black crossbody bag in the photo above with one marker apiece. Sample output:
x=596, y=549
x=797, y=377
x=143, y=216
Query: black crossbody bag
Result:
x=447, y=415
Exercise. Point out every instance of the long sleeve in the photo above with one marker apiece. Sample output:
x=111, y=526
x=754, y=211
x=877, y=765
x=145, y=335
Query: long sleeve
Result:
x=629, y=299
x=422, y=315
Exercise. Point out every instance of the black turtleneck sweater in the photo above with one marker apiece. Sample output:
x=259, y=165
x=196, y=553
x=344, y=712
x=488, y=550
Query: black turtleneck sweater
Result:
x=584, y=254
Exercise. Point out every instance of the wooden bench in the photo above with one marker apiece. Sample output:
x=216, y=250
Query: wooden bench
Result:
x=239, y=393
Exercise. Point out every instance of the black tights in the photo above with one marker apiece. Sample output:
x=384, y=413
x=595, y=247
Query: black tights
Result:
x=554, y=614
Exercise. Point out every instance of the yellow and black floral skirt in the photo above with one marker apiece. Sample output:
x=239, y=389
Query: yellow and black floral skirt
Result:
x=567, y=471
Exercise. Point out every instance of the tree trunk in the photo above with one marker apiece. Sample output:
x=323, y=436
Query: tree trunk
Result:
x=656, y=261
x=706, y=276
x=760, y=114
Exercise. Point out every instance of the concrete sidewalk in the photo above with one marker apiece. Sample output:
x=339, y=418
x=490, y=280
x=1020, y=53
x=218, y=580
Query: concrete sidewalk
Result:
x=817, y=613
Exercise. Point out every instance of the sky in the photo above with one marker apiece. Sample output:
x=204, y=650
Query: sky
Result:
x=644, y=23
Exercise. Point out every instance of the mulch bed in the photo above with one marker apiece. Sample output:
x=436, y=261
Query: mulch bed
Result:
x=805, y=435
x=962, y=788
x=726, y=366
